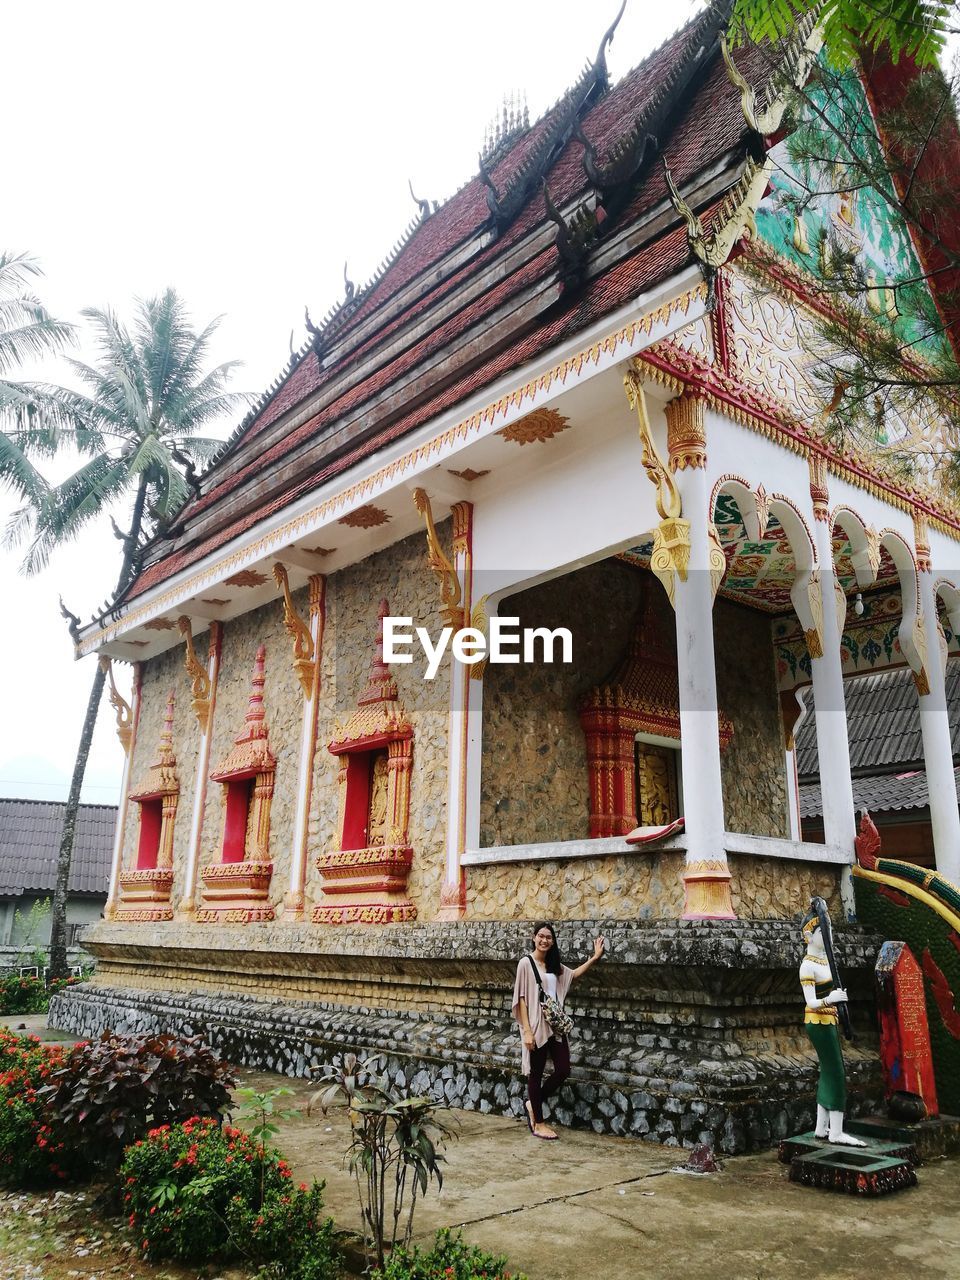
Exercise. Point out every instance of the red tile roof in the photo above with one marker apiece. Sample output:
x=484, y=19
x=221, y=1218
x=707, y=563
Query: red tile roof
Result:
x=460, y=305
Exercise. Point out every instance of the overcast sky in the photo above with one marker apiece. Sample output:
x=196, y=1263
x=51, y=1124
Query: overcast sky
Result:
x=240, y=153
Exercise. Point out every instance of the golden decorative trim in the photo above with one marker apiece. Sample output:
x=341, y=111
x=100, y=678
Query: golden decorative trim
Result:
x=298, y=631
x=451, y=608
x=922, y=682
x=718, y=561
x=668, y=495
x=736, y=217
x=462, y=513
x=706, y=885
x=536, y=428
x=159, y=624
x=251, y=753
x=199, y=676
x=813, y=642
x=762, y=500
x=686, y=432
x=670, y=557
x=468, y=474
x=921, y=541
x=819, y=492
x=120, y=705
x=793, y=72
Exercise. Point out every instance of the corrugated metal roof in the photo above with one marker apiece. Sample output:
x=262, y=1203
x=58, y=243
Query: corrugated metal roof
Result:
x=883, y=723
x=878, y=794
x=30, y=841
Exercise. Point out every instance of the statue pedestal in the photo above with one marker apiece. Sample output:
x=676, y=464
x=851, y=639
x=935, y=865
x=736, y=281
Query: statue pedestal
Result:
x=874, y=1170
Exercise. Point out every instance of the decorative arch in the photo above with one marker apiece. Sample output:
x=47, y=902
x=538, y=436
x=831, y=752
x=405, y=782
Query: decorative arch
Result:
x=912, y=640
x=753, y=507
x=864, y=544
x=948, y=593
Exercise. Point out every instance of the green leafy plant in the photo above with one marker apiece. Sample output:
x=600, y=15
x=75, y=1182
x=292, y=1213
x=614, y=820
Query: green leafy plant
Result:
x=449, y=1258
x=108, y=1092
x=197, y=1191
x=394, y=1148
x=22, y=994
x=31, y=1152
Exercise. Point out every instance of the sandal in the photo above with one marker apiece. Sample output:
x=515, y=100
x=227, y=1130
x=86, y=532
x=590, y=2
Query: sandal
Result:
x=528, y=1112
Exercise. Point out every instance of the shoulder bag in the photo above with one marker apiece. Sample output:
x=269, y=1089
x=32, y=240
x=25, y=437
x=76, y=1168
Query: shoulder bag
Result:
x=557, y=1017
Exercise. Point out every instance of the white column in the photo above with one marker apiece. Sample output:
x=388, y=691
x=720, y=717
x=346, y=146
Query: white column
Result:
x=187, y=907
x=830, y=710
x=294, y=902
x=935, y=728
x=706, y=874
x=128, y=740
x=453, y=891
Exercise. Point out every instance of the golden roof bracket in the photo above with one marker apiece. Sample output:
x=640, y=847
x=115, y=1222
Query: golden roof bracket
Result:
x=120, y=705
x=451, y=607
x=200, y=680
x=299, y=632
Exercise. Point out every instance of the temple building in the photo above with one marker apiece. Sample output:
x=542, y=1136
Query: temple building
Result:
x=582, y=393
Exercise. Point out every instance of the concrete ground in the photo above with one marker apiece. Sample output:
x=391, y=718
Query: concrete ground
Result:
x=601, y=1208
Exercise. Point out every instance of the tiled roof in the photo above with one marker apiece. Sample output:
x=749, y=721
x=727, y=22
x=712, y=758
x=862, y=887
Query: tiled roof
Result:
x=461, y=303
x=883, y=723
x=880, y=793
x=30, y=841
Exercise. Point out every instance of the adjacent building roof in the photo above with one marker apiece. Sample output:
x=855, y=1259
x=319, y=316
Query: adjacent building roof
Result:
x=30, y=841
x=886, y=747
x=882, y=793
x=883, y=724
x=568, y=220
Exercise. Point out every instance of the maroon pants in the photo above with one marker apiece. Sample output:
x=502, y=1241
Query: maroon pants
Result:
x=537, y=1090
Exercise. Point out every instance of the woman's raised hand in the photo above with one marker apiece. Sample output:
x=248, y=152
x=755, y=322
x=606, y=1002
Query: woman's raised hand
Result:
x=599, y=946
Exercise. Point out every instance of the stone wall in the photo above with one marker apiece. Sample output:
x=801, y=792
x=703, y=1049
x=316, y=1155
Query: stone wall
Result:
x=352, y=600
x=534, y=772
x=685, y=1032
x=753, y=768
x=641, y=886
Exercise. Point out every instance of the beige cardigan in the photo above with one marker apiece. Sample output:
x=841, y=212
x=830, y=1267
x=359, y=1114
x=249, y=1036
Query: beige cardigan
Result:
x=525, y=988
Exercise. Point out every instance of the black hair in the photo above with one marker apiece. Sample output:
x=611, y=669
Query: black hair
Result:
x=553, y=962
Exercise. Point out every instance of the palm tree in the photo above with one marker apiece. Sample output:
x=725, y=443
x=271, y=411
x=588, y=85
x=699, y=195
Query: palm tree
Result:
x=27, y=332
x=136, y=424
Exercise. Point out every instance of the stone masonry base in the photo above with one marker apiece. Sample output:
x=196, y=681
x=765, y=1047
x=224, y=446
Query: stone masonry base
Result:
x=685, y=1033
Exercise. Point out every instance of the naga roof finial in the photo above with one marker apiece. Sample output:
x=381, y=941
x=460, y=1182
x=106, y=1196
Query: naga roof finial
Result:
x=600, y=72
x=349, y=287
x=424, y=205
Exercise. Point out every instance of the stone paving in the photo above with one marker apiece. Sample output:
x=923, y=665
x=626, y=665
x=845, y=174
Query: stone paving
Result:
x=592, y=1207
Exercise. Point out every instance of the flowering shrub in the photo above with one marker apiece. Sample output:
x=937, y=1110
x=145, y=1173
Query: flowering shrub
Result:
x=22, y=995
x=108, y=1092
x=30, y=1153
x=450, y=1258
x=196, y=1191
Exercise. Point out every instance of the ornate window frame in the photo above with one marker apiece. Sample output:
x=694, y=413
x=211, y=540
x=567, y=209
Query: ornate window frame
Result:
x=236, y=888
x=364, y=881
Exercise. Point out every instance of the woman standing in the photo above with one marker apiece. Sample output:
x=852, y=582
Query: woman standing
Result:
x=542, y=970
